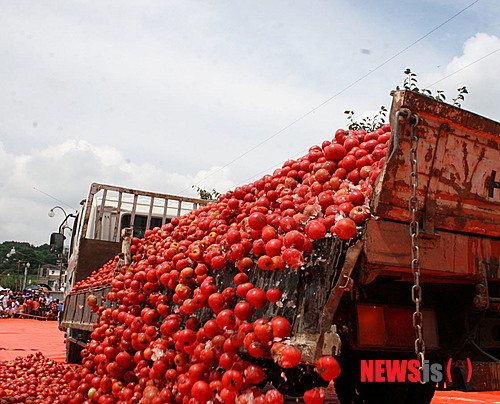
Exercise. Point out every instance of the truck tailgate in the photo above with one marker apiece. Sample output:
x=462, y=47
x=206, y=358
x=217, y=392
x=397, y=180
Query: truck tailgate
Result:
x=458, y=159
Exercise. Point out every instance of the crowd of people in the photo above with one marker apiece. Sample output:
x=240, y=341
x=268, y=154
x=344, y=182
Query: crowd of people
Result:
x=31, y=304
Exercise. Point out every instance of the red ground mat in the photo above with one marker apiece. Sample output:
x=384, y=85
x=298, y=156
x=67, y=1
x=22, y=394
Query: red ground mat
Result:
x=456, y=397
x=20, y=337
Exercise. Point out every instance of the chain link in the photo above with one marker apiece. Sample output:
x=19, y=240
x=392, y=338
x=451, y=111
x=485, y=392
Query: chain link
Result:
x=416, y=290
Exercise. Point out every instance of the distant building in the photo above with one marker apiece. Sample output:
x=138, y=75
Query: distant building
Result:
x=50, y=275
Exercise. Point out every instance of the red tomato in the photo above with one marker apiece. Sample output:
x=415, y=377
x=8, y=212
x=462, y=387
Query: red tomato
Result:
x=345, y=228
x=346, y=207
x=274, y=397
x=228, y=396
x=256, y=349
x=281, y=327
x=232, y=380
x=263, y=330
x=315, y=229
x=294, y=239
x=293, y=257
x=360, y=214
x=314, y=396
x=243, y=310
x=350, y=142
x=256, y=297
x=257, y=220
x=254, y=374
x=328, y=368
x=335, y=152
x=243, y=289
x=226, y=319
x=273, y=295
x=348, y=163
x=265, y=262
x=216, y=302
x=273, y=247
x=340, y=135
x=289, y=358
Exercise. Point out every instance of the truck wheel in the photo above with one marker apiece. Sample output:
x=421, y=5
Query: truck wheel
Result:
x=296, y=381
x=420, y=393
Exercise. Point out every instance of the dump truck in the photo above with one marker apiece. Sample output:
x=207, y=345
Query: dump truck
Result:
x=107, y=220
x=422, y=279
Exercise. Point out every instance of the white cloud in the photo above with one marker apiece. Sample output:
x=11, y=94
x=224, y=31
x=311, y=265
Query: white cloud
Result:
x=61, y=175
x=479, y=75
x=149, y=94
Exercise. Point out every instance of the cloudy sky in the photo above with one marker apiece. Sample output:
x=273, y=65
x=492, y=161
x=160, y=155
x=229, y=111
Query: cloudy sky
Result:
x=163, y=94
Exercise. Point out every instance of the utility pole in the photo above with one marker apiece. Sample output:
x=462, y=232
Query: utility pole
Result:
x=18, y=280
x=17, y=283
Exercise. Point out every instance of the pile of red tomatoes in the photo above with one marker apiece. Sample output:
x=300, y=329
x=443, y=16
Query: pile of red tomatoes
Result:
x=36, y=380
x=98, y=277
x=175, y=336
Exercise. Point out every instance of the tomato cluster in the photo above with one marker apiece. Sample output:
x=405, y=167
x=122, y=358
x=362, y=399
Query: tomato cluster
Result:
x=98, y=277
x=174, y=335
x=36, y=379
x=152, y=347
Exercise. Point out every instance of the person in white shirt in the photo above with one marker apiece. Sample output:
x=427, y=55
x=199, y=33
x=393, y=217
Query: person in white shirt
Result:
x=5, y=300
x=14, y=309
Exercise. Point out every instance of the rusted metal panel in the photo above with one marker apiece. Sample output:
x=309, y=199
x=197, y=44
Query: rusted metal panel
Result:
x=387, y=245
x=391, y=327
x=77, y=314
x=93, y=254
x=458, y=151
x=69, y=311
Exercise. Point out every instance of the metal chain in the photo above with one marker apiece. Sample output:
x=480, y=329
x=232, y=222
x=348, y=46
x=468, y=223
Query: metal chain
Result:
x=416, y=290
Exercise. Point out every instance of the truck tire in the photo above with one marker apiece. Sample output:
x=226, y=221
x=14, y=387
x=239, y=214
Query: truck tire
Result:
x=382, y=393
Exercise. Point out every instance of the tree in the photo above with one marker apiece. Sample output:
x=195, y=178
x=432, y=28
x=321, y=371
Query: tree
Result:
x=25, y=253
x=206, y=195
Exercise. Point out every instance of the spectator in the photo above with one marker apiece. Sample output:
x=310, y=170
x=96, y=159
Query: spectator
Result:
x=3, y=310
x=28, y=304
x=43, y=306
x=5, y=299
x=35, y=307
x=38, y=305
x=54, y=308
x=14, y=309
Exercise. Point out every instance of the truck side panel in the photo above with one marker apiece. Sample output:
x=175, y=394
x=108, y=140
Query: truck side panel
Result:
x=93, y=254
x=457, y=155
x=460, y=257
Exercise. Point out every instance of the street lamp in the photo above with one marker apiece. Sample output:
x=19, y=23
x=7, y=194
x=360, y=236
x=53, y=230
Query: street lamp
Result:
x=57, y=239
x=63, y=224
